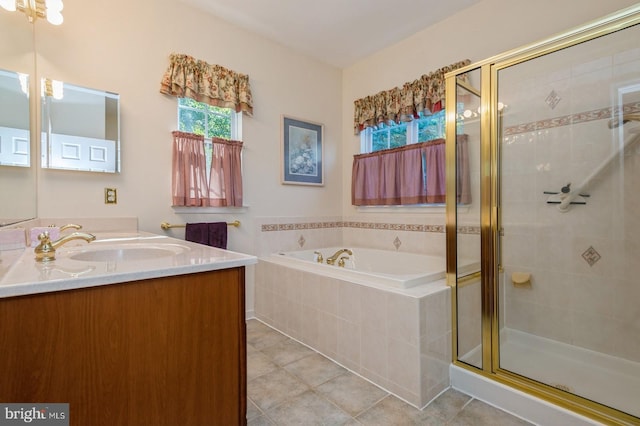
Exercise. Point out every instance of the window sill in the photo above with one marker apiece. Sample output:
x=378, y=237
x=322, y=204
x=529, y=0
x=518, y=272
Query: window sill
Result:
x=208, y=210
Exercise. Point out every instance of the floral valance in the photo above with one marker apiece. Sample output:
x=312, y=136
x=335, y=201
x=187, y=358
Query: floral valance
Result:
x=187, y=77
x=422, y=96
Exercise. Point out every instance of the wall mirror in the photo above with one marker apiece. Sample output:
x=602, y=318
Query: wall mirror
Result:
x=80, y=128
x=17, y=176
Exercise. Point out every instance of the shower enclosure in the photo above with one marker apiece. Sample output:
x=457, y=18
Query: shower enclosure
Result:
x=554, y=147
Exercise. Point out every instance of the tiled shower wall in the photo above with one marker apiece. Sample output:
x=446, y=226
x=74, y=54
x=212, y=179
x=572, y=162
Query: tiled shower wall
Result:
x=584, y=262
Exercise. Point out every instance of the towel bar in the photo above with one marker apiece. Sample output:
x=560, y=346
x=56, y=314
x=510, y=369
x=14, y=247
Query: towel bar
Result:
x=167, y=225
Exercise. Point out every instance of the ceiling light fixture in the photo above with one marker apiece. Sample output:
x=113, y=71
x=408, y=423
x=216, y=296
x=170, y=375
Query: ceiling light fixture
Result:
x=51, y=10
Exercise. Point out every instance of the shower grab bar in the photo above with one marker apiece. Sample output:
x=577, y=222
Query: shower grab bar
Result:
x=619, y=121
x=566, y=201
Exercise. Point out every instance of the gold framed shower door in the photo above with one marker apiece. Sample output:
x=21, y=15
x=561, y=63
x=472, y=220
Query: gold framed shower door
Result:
x=484, y=83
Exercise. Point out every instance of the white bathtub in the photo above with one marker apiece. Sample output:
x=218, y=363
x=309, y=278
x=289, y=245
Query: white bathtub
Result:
x=371, y=266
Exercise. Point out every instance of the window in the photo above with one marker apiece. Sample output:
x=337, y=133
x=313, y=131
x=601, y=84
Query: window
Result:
x=206, y=120
x=404, y=164
x=209, y=121
x=392, y=136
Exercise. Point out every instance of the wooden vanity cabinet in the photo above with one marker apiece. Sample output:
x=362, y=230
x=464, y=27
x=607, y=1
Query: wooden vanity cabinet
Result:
x=165, y=351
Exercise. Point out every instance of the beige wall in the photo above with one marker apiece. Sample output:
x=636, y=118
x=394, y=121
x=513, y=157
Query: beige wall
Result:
x=123, y=47
x=485, y=29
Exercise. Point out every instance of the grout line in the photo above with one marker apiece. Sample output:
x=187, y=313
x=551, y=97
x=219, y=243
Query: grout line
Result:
x=374, y=404
x=471, y=398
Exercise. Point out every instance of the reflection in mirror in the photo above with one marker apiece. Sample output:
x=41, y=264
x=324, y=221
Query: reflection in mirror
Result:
x=17, y=184
x=80, y=128
x=14, y=119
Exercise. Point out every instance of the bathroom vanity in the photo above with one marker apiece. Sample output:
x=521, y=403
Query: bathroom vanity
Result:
x=127, y=335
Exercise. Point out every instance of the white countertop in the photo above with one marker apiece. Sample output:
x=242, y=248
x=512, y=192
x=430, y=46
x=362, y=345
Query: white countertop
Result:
x=20, y=274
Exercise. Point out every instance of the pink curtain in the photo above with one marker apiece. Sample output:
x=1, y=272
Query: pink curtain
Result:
x=225, y=182
x=412, y=174
x=189, y=176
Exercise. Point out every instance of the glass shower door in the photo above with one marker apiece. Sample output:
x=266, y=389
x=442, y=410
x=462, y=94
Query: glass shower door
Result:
x=468, y=294
x=569, y=173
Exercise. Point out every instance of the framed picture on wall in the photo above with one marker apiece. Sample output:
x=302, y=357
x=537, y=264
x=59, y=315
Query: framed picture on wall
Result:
x=302, y=152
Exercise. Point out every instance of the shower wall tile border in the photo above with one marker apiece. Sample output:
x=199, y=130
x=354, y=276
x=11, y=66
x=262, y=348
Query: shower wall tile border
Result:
x=412, y=227
x=571, y=119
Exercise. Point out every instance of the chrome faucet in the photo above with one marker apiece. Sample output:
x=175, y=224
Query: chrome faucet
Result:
x=332, y=260
x=46, y=250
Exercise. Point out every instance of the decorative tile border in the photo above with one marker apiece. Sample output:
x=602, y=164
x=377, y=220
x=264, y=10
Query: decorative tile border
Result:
x=367, y=225
x=296, y=226
x=469, y=230
x=566, y=120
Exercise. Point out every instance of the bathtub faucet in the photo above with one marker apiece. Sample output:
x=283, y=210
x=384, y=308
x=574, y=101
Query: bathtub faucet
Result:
x=332, y=260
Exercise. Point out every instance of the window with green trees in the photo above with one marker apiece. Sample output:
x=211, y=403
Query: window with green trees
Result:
x=423, y=129
x=206, y=120
x=209, y=121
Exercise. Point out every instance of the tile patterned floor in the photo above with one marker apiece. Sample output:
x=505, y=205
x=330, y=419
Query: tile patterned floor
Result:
x=290, y=384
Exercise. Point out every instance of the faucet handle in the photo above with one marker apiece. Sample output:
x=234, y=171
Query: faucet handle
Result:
x=44, y=251
x=44, y=237
x=319, y=257
x=342, y=260
x=70, y=225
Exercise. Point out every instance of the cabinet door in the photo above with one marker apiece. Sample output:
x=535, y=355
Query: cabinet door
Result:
x=165, y=351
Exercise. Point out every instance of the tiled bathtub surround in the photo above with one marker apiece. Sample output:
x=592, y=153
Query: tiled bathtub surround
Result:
x=350, y=224
x=423, y=234
x=400, y=342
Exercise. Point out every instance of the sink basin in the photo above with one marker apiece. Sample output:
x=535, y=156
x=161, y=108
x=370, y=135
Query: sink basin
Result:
x=127, y=253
